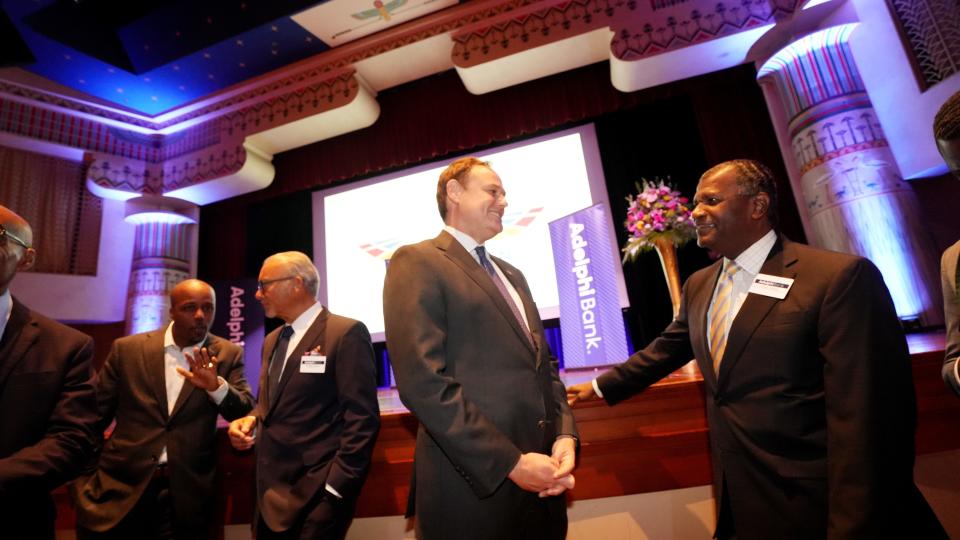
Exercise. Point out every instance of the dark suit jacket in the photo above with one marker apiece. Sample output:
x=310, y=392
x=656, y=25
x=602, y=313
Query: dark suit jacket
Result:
x=951, y=312
x=132, y=390
x=47, y=417
x=320, y=428
x=812, y=415
x=482, y=392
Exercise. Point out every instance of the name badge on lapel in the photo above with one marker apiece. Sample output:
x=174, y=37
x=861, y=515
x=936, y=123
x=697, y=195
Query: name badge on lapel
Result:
x=772, y=286
x=313, y=362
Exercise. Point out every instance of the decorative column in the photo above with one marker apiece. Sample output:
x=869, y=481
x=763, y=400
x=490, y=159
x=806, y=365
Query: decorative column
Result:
x=854, y=197
x=162, y=253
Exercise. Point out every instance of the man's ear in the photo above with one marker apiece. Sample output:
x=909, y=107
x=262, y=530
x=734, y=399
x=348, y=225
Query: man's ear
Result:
x=28, y=260
x=761, y=205
x=454, y=190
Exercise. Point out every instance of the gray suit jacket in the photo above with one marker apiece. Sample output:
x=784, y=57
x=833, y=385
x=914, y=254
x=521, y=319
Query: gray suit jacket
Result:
x=132, y=390
x=812, y=414
x=951, y=311
x=47, y=417
x=482, y=391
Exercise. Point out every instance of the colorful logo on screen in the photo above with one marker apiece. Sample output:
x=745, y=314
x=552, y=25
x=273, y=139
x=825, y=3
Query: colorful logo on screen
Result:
x=514, y=222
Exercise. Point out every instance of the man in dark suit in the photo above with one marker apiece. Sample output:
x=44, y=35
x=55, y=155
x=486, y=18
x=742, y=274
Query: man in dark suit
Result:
x=946, y=131
x=810, y=399
x=317, y=415
x=156, y=472
x=496, y=444
x=47, y=403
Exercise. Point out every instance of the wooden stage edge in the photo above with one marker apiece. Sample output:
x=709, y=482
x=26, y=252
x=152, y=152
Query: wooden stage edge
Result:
x=655, y=441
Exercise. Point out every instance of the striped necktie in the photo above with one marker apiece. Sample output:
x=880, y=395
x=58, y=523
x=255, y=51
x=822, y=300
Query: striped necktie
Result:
x=492, y=272
x=721, y=315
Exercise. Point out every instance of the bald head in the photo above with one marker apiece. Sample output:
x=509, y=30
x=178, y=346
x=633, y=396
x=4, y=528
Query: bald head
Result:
x=12, y=222
x=14, y=256
x=192, y=308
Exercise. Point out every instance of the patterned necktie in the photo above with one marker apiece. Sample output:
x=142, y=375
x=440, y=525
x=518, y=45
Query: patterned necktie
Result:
x=720, y=314
x=492, y=272
x=276, y=363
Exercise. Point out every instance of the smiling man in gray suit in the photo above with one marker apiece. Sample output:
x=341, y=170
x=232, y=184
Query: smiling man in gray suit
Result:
x=496, y=444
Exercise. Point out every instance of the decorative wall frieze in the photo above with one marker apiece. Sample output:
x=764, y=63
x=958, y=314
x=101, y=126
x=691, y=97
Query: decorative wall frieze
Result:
x=676, y=25
x=641, y=27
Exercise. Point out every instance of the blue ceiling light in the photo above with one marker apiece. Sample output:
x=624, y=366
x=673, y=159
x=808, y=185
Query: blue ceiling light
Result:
x=234, y=59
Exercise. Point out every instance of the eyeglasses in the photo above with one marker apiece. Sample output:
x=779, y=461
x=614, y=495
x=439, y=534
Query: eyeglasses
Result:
x=4, y=234
x=262, y=284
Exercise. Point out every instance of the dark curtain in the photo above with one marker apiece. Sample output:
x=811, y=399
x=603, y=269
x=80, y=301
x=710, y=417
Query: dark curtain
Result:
x=676, y=130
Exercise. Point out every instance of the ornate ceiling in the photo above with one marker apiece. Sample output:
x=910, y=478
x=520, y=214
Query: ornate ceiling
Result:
x=192, y=99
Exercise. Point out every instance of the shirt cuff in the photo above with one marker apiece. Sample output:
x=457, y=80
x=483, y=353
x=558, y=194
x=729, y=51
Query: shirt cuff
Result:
x=956, y=373
x=596, y=389
x=220, y=393
x=333, y=492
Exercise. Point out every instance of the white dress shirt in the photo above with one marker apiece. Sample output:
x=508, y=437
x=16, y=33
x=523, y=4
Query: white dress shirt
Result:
x=173, y=357
x=470, y=245
x=300, y=326
x=750, y=261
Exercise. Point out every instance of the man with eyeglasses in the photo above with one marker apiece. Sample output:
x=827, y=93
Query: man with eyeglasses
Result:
x=155, y=477
x=47, y=401
x=317, y=416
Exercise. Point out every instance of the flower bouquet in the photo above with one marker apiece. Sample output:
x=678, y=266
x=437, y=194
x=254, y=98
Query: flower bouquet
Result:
x=659, y=218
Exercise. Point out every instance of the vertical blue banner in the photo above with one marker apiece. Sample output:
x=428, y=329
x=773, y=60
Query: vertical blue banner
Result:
x=240, y=320
x=591, y=322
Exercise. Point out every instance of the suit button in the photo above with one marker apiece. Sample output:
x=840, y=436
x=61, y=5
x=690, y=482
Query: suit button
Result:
x=542, y=424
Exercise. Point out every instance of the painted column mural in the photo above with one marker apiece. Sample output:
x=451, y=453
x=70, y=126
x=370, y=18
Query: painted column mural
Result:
x=856, y=200
x=161, y=259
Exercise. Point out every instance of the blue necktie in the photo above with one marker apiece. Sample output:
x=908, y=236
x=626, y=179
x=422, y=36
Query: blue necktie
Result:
x=276, y=363
x=492, y=272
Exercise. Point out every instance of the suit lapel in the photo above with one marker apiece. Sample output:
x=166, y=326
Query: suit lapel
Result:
x=755, y=308
x=314, y=338
x=456, y=253
x=699, y=307
x=18, y=336
x=154, y=362
x=263, y=397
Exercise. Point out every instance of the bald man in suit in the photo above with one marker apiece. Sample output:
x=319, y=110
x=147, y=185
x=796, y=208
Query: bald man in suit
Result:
x=496, y=445
x=48, y=408
x=155, y=476
x=808, y=382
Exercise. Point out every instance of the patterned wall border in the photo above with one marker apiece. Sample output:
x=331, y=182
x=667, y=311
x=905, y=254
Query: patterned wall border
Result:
x=684, y=25
x=930, y=31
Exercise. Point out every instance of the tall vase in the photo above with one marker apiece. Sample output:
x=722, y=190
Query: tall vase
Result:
x=671, y=271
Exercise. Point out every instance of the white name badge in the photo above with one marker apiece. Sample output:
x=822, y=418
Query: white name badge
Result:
x=772, y=286
x=313, y=363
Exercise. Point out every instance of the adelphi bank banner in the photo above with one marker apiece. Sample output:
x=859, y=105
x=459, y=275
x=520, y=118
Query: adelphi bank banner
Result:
x=240, y=319
x=591, y=322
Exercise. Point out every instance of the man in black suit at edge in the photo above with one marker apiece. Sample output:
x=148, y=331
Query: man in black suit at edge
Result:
x=48, y=407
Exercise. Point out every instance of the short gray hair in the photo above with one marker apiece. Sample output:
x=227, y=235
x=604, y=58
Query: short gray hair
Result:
x=301, y=266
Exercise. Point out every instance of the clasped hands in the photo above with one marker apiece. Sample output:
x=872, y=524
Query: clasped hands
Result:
x=547, y=475
x=203, y=369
